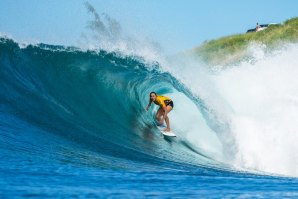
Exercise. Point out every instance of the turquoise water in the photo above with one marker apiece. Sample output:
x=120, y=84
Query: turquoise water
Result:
x=72, y=124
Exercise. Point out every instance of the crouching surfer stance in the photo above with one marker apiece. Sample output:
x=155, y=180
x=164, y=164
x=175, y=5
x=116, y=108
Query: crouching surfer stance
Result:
x=165, y=106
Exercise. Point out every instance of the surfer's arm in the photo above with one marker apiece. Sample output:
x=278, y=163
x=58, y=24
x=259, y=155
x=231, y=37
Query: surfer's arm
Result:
x=150, y=102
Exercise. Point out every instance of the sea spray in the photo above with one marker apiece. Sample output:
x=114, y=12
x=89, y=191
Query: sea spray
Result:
x=252, y=107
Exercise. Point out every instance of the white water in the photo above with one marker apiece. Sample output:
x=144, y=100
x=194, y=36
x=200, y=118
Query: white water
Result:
x=264, y=122
x=257, y=103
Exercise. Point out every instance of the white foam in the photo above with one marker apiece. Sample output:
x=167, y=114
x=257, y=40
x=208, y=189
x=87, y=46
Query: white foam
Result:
x=263, y=121
x=264, y=98
x=256, y=103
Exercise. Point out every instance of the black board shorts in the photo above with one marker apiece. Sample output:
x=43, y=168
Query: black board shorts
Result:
x=171, y=104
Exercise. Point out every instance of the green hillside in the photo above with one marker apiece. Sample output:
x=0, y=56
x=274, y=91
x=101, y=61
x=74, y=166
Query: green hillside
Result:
x=233, y=48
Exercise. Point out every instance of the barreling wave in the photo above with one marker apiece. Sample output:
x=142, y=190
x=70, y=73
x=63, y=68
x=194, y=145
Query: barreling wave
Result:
x=88, y=107
x=92, y=101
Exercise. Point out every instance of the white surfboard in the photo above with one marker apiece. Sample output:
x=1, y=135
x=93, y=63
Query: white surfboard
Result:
x=167, y=134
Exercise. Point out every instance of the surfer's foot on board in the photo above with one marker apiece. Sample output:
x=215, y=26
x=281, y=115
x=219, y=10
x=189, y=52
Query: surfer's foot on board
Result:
x=167, y=130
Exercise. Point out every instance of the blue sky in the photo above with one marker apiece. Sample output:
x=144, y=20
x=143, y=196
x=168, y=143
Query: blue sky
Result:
x=176, y=25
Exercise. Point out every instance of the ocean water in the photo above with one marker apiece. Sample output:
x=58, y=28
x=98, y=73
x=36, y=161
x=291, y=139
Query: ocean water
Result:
x=73, y=124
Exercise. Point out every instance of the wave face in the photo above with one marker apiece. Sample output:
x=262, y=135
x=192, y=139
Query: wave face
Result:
x=72, y=117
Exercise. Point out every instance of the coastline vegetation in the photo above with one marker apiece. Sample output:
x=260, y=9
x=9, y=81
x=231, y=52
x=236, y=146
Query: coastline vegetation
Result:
x=233, y=48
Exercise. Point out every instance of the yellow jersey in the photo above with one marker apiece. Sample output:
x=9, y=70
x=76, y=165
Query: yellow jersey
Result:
x=162, y=100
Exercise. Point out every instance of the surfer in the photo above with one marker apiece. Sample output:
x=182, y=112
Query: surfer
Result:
x=165, y=106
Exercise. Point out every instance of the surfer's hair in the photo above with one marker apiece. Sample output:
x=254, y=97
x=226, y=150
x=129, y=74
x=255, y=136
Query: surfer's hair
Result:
x=152, y=93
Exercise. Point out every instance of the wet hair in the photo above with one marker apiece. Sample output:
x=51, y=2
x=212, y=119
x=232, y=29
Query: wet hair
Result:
x=152, y=93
